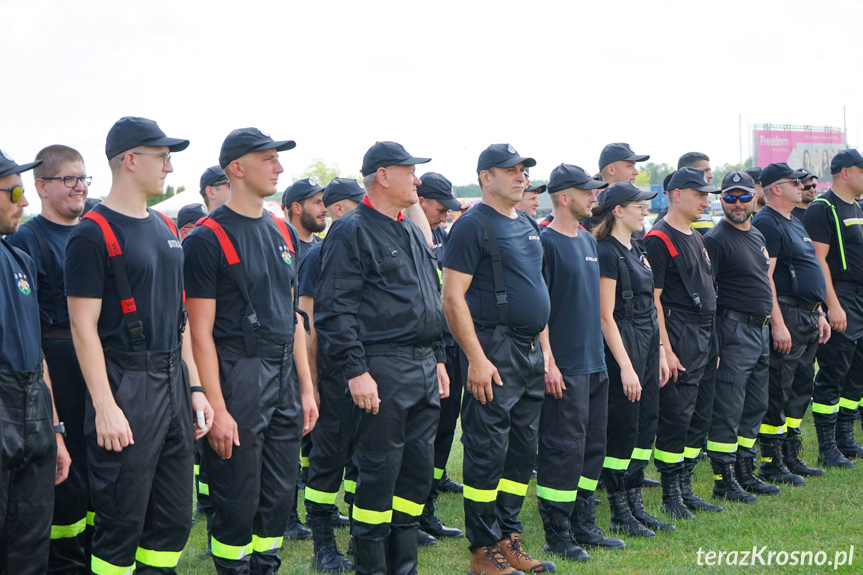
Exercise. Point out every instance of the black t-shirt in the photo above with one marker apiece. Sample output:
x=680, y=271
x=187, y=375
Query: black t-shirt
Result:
x=304, y=247
x=810, y=278
x=692, y=259
x=798, y=213
x=640, y=275
x=267, y=266
x=154, y=265
x=571, y=271
x=20, y=333
x=56, y=237
x=740, y=265
x=821, y=226
x=521, y=256
x=309, y=271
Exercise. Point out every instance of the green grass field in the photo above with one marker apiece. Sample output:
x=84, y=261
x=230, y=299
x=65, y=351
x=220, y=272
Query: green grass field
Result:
x=825, y=515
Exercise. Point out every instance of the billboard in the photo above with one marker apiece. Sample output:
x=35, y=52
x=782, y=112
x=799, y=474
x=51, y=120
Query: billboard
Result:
x=810, y=149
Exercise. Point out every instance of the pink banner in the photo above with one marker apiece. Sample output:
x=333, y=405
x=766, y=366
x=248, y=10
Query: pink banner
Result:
x=805, y=149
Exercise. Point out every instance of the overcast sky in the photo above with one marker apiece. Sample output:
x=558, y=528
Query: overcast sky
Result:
x=557, y=80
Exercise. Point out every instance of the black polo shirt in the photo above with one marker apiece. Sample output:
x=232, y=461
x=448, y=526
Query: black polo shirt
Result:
x=740, y=264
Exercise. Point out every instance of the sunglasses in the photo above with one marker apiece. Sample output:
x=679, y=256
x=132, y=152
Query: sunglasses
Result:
x=732, y=199
x=809, y=186
x=795, y=182
x=15, y=193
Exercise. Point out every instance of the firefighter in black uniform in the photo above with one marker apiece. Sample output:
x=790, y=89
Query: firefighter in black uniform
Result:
x=61, y=182
x=496, y=308
x=796, y=325
x=379, y=320
x=32, y=462
x=436, y=200
x=835, y=223
x=636, y=365
x=685, y=302
x=740, y=262
x=124, y=282
x=239, y=273
x=332, y=438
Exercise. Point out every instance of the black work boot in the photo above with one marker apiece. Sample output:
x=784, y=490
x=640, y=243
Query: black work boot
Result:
x=449, y=485
x=725, y=485
x=584, y=528
x=744, y=470
x=672, y=501
x=424, y=539
x=647, y=482
x=558, y=536
x=338, y=520
x=636, y=505
x=828, y=454
x=327, y=557
x=690, y=499
x=371, y=557
x=773, y=467
x=792, y=447
x=430, y=523
x=296, y=531
x=622, y=520
x=845, y=438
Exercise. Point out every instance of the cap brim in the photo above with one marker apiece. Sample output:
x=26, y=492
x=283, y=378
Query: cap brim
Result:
x=528, y=162
x=634, y=158
x=538, y=189
x=173, y=144
x=706, y=189
x=20, y=169
x=451, y=204
x=412, y=161
x=279, y=146
x=644, y=196
x=592, y=185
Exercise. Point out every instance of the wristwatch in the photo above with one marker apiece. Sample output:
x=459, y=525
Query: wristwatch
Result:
x=60, y=428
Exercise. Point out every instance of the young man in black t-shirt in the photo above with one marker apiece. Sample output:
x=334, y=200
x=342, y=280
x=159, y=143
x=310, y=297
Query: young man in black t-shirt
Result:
x=61, y=183
x=740, y=264
x=239, y=274
x=795, y=327
x=685, y=302
x=124, y=282
x=835, y=224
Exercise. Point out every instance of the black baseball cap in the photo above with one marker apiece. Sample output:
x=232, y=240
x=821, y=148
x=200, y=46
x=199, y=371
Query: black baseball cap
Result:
x=501, y=156
x=619, y=151
x=190, y=214
x=299, y=191
x=244, y=140
x=775, y=172
x=738, y=180
x=436, y=187
x=621, y=193
x=212, y=175
x=538, y=189
x=8, y=166
x=845, y=159
x=667, y=180
x=130, y=132
x=755, y=174
x=567, y=176
x=343, y=189
x=690, y=178
x=384, y=154
x=809, y=175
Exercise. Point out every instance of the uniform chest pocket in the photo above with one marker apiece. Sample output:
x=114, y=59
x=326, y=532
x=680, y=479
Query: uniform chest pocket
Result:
x=388, y=258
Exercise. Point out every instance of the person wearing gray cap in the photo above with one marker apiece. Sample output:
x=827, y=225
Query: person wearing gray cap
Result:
x=303, y=205
x=124, y=285
x=636, y=363
x=496, y=308
x=34, y=456
x=332, y=440
x=215, y=187
x=798, y=286
x=62, y=185
x=835, y=224
x=740, y=264
x=685, y=302
x=240, y=275
x=807, y=195
x=379, y=321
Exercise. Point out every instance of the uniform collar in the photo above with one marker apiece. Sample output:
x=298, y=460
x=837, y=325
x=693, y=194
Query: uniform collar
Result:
x=369, y=204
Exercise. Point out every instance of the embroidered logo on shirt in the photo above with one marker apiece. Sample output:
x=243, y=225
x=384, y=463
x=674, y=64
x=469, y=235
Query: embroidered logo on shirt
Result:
x=286, y=255
x=766, y=254
x=533, y=237
x=590, y=259
x=23, y=285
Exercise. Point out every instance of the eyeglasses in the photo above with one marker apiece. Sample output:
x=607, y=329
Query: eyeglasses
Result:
x=795, y=181
x=809, y=186
x=166, y=156
x=640, y=207
x=15, y=193
x=72, y=181
x=732, y=199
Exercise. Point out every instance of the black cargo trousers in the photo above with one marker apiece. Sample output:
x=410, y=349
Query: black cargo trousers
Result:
x=28, y=454
x=142, y=495
x=252, y=492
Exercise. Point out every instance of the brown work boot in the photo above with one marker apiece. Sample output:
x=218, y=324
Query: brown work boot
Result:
x=490, y=561
x=519, y=559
